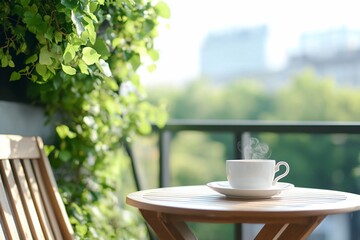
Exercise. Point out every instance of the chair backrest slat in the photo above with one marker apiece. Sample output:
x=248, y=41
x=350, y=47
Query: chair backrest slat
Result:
x=25, y=193
x=6, y=215
x=46, y=203
x=15, y=200
x=37, y=201
x=2, y=234
x=30, y=204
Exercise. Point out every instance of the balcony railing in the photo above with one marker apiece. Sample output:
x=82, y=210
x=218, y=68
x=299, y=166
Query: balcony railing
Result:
x=240, y=130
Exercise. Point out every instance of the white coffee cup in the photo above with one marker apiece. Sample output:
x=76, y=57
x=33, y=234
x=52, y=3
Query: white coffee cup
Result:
x=254, y=173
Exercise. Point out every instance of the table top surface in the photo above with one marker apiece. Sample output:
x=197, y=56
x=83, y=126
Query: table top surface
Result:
x=200, y=200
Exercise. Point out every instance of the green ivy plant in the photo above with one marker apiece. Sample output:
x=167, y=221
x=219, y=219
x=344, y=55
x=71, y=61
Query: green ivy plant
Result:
x=83, y=57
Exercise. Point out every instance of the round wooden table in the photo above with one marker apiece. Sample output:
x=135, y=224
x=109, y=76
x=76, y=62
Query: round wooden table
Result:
x=293, y=214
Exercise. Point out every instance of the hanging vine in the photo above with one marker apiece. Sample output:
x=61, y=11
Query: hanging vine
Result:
x=83, y=57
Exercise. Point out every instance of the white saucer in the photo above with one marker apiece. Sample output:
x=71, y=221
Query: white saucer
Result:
x=224, y=187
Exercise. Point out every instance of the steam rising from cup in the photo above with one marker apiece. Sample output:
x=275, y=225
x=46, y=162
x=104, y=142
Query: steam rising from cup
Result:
x=254, y=149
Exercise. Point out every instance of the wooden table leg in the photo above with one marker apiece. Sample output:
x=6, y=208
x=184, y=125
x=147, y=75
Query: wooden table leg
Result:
x=294, y=231
x=301, y=231
x=271, y=231
x=166, y=228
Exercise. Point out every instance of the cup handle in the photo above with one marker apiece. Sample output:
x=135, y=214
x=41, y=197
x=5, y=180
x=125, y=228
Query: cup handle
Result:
x=277, y=168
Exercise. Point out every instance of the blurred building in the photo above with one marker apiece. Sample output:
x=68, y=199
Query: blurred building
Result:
x=334, y=53
x=329, y=43
x=231, y=53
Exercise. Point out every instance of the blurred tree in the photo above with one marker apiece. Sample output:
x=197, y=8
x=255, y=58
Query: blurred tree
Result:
x=243, y=99
x=312, y=98
x=199, y=161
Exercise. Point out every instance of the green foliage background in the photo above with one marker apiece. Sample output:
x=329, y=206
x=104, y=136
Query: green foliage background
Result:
x=79, y=60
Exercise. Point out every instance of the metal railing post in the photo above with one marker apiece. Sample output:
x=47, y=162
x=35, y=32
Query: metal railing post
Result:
x=133, y=166
x=164, y=158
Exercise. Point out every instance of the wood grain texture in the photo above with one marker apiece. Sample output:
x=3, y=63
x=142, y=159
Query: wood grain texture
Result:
x=293, y=214
x=30, y=204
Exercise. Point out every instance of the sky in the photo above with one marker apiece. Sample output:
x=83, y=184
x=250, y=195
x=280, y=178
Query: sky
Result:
x=180, y=38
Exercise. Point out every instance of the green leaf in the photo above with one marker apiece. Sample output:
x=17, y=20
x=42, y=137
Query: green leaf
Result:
x=52, y=69
x=68, y=70
x=94, y=5
x=49, y=34
x=11, y=63
x=81, y=229
x=34, y=22
x=41, y=38
x=65, y=155
x=83, y=67
x=33, y=58
x=148, y=25
x=151, y=67
x=112, y=84
x=116, y=42
x=154, y=55
x=135, y=61
x=161, y=117
x=64, y=131
x=71, y=4
x=58, y=37
x=34, y=78
x=48, y=149
x=69, y=53
x=47, y=19
x=90, y=56
x=22, y=48
x=41, y=70
x=4, y=61
x=144, y=127
x=84, y=36
x=45, y=56
x=15, y=76
x=101, y=48
x=163, y=10
x=93, y=18
x=91, y=33
x=25, y=3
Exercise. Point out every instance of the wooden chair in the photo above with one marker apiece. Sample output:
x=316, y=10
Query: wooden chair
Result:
x=30, y=204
